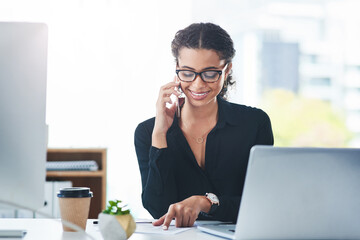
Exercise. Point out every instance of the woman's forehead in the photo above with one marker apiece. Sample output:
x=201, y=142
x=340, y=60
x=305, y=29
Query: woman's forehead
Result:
x=199, y=58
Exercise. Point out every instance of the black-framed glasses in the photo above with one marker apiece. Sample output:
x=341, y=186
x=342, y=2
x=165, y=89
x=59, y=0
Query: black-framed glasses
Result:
x=209, y=76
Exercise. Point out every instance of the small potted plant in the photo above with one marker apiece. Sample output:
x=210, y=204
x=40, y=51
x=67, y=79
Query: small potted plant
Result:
x=116, y=223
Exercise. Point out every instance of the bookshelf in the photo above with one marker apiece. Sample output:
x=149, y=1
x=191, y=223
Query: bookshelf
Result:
x=95, y=180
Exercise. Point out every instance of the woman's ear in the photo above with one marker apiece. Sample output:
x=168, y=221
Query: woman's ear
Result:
x=228, y=69
x=227, y=72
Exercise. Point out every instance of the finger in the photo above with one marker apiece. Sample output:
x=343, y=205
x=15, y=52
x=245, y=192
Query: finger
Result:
x=179, y=221
x=192, y=220
x=185, y=221
x=187, y=218
x=172, y=107
x=177, y=93
x=166, y=97
x=159, y=221
x=168, y=94
x=167, y=100
x=169, y=85
x=169, y=91
x=178, y=87
x=176, y=79
x=169, y=216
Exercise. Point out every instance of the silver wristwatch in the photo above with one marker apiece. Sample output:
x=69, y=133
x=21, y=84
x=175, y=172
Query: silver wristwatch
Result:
x=214, y=200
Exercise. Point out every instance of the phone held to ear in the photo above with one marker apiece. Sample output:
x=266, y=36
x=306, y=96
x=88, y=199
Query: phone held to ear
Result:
x=180, y=102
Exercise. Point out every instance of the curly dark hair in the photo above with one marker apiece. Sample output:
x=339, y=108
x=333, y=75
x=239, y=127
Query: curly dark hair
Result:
x=206, y=36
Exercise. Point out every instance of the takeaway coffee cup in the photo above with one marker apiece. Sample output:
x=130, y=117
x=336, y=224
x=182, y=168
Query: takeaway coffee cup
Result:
x=74, y=206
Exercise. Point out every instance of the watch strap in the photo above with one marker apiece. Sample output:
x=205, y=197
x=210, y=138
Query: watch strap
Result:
x=214, y=205
x=213, y=209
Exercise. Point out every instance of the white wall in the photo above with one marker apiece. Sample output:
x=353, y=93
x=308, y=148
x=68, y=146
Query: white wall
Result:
x=107, y=60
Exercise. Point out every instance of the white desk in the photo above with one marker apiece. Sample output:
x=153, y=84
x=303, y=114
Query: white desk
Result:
x=51, y=229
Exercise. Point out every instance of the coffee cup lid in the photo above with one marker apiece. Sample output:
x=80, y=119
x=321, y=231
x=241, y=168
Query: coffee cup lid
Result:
x=74, y=192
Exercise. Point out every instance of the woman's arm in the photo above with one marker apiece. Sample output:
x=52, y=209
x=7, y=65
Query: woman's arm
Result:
x=264, y=134
x=229, y=205
x=156, y=169
x=155, y=161
x=185, y=212
x=164, y=115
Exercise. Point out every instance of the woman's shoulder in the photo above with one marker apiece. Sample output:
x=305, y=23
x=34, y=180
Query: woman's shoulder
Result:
x=148, y=122
x=145, y=127
x=246, y=108
x=241, y=111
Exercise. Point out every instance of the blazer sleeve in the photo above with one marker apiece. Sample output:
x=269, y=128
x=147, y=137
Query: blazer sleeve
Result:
x=156, y=169
x=228, y=209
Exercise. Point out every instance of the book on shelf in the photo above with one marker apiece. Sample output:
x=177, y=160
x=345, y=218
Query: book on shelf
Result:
x=83, y=165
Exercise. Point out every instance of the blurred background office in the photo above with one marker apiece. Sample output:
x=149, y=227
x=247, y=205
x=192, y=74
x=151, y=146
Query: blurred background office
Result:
x=299, y=60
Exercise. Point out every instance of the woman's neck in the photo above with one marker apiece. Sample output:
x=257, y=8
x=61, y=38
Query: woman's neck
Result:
x=206, y=113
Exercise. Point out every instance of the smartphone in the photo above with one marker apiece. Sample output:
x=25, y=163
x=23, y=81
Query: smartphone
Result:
x=180, y=102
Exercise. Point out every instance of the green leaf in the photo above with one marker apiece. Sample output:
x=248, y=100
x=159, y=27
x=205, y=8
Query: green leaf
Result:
x=114, y=208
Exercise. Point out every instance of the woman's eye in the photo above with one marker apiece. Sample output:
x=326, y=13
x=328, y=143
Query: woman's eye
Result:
x=210, y=74
x=187, y=74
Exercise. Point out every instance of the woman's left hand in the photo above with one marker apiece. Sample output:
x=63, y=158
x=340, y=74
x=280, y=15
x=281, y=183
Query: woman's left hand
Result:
x=184, y=212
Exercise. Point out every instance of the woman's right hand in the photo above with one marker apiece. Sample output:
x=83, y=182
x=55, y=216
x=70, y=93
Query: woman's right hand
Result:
x=164, y=115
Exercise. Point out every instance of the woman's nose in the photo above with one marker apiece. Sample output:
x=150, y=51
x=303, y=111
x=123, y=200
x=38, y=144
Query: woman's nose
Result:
x=198, y=82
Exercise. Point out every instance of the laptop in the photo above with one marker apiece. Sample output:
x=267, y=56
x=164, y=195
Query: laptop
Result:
x=298, y=193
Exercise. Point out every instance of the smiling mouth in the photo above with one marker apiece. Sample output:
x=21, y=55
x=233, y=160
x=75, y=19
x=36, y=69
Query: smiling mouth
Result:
x=199, y=95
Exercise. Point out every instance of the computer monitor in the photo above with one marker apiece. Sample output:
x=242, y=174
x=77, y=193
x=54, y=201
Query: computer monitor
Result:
x=23, y=130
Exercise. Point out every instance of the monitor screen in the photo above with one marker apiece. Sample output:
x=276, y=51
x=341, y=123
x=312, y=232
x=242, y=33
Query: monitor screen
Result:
x=23, y=131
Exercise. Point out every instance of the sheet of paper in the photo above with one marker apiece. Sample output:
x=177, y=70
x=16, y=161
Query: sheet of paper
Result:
x=149, y=228
x=145, y=226
x=197, y=223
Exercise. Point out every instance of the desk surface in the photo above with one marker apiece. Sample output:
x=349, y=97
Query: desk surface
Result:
x=49, y=229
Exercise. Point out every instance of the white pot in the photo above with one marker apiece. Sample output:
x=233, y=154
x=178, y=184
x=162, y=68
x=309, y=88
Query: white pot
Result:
x=116, y=227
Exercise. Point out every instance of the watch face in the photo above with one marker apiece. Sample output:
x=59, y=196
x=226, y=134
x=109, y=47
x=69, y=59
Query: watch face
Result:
x=213, y=198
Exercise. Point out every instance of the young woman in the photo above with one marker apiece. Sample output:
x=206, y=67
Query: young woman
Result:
x=193, y=166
